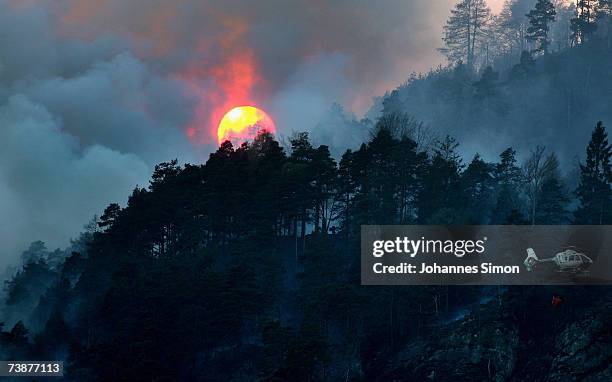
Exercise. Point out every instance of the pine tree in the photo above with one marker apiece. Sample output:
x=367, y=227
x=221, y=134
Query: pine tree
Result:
x=583, y=25
x=478, y=184
x=464, y=30
x=540, y=19
x=110, y=214
x=441, y=199
x=410, y=167
x=552, y=200
x=347, y=190
x=325, y=183
x=382, y=172
x=594, y=190
x=508, y=178
x=266, y=161
x=298, y=173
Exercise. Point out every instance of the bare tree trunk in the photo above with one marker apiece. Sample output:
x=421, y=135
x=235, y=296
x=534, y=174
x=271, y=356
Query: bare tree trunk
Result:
x=435, y=298
x=303, y=231
x=295, y=234
x=391, y=318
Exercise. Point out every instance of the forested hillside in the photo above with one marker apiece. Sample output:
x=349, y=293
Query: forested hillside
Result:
x=511, y=92
x=247, y=267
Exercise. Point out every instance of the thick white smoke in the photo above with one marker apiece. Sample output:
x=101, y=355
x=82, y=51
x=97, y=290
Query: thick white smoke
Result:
x=93, y=94
x=49, y=184
x=81, y=124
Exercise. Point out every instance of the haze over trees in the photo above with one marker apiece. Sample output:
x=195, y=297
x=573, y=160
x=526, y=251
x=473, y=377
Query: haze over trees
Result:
x=513, y=94
x=476, y=37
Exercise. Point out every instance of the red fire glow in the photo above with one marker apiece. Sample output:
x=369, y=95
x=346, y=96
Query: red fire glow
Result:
x=232, y=85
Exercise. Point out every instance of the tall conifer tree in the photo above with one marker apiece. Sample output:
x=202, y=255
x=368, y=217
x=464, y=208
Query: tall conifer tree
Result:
x=595, y=175
x=540, y=19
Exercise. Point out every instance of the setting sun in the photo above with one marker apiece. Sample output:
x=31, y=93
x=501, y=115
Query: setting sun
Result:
x=243, y=123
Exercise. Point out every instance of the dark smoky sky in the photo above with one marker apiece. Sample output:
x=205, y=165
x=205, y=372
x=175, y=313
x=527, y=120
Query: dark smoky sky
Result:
x=381, y=40
x=94, y=93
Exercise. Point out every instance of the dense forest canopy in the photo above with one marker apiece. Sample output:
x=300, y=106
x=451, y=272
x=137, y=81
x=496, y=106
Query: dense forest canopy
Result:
x=256, y=249
x=246, y=267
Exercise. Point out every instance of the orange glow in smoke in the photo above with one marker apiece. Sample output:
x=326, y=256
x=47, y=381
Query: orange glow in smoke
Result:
x=219, y=89
x=234, y=79
x=222, y=71
x=243, y=123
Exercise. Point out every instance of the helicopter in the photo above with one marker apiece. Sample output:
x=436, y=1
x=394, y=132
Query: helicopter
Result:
x=569, y=260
